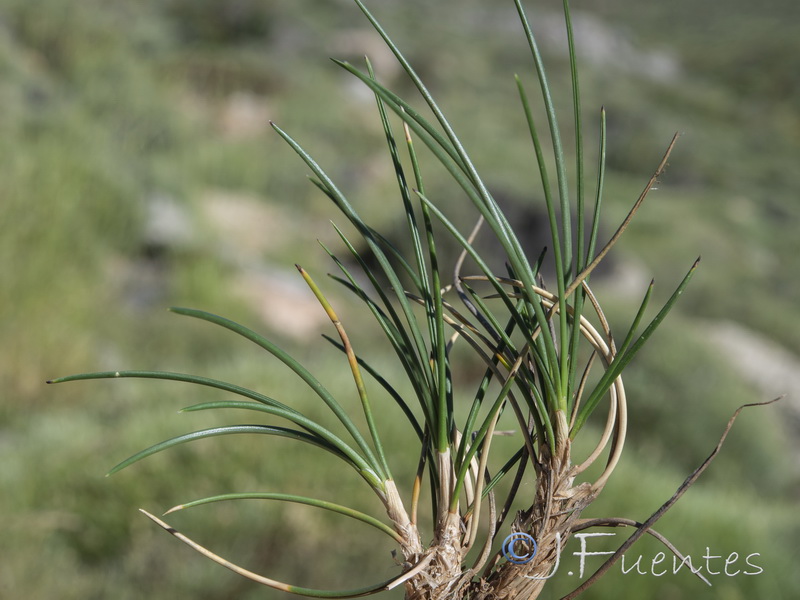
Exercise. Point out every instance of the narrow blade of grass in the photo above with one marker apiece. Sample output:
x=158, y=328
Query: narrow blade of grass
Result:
x=337, y=508
x=395, y=395
x=302, y=436
x=169, y=376
x=354, y=369
x=309, y=425
x=296, y=367
x=622, y=359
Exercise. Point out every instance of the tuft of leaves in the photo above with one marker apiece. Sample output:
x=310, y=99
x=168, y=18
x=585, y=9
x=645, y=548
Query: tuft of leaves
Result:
x=538, y=348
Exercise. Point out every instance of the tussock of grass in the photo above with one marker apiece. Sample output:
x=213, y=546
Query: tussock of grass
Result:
x=95, y=121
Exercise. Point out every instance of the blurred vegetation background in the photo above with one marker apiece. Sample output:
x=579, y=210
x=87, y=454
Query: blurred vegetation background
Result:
x=139, y=171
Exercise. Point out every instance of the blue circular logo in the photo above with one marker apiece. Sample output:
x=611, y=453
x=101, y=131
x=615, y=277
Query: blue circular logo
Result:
x=519, y=548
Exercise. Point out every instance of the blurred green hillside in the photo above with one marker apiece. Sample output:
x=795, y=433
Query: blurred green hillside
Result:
x=138, y=171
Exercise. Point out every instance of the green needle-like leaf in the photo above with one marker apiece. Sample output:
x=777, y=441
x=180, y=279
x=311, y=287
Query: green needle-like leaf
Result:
x=295, y=366
x=523, y=323
x=418, y=346
x=354, y=369
x=302, y=436
x=337, y=508
x=622, y=360
x=555, y=134
x=393, y=328
x=292, y=416
x=168, y=376
x=481, y=435
x=386, y=386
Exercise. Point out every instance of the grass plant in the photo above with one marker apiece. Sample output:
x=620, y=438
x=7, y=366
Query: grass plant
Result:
x=547, y=352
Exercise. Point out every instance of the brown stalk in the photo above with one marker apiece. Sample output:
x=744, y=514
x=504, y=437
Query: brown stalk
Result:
x=621, y=229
